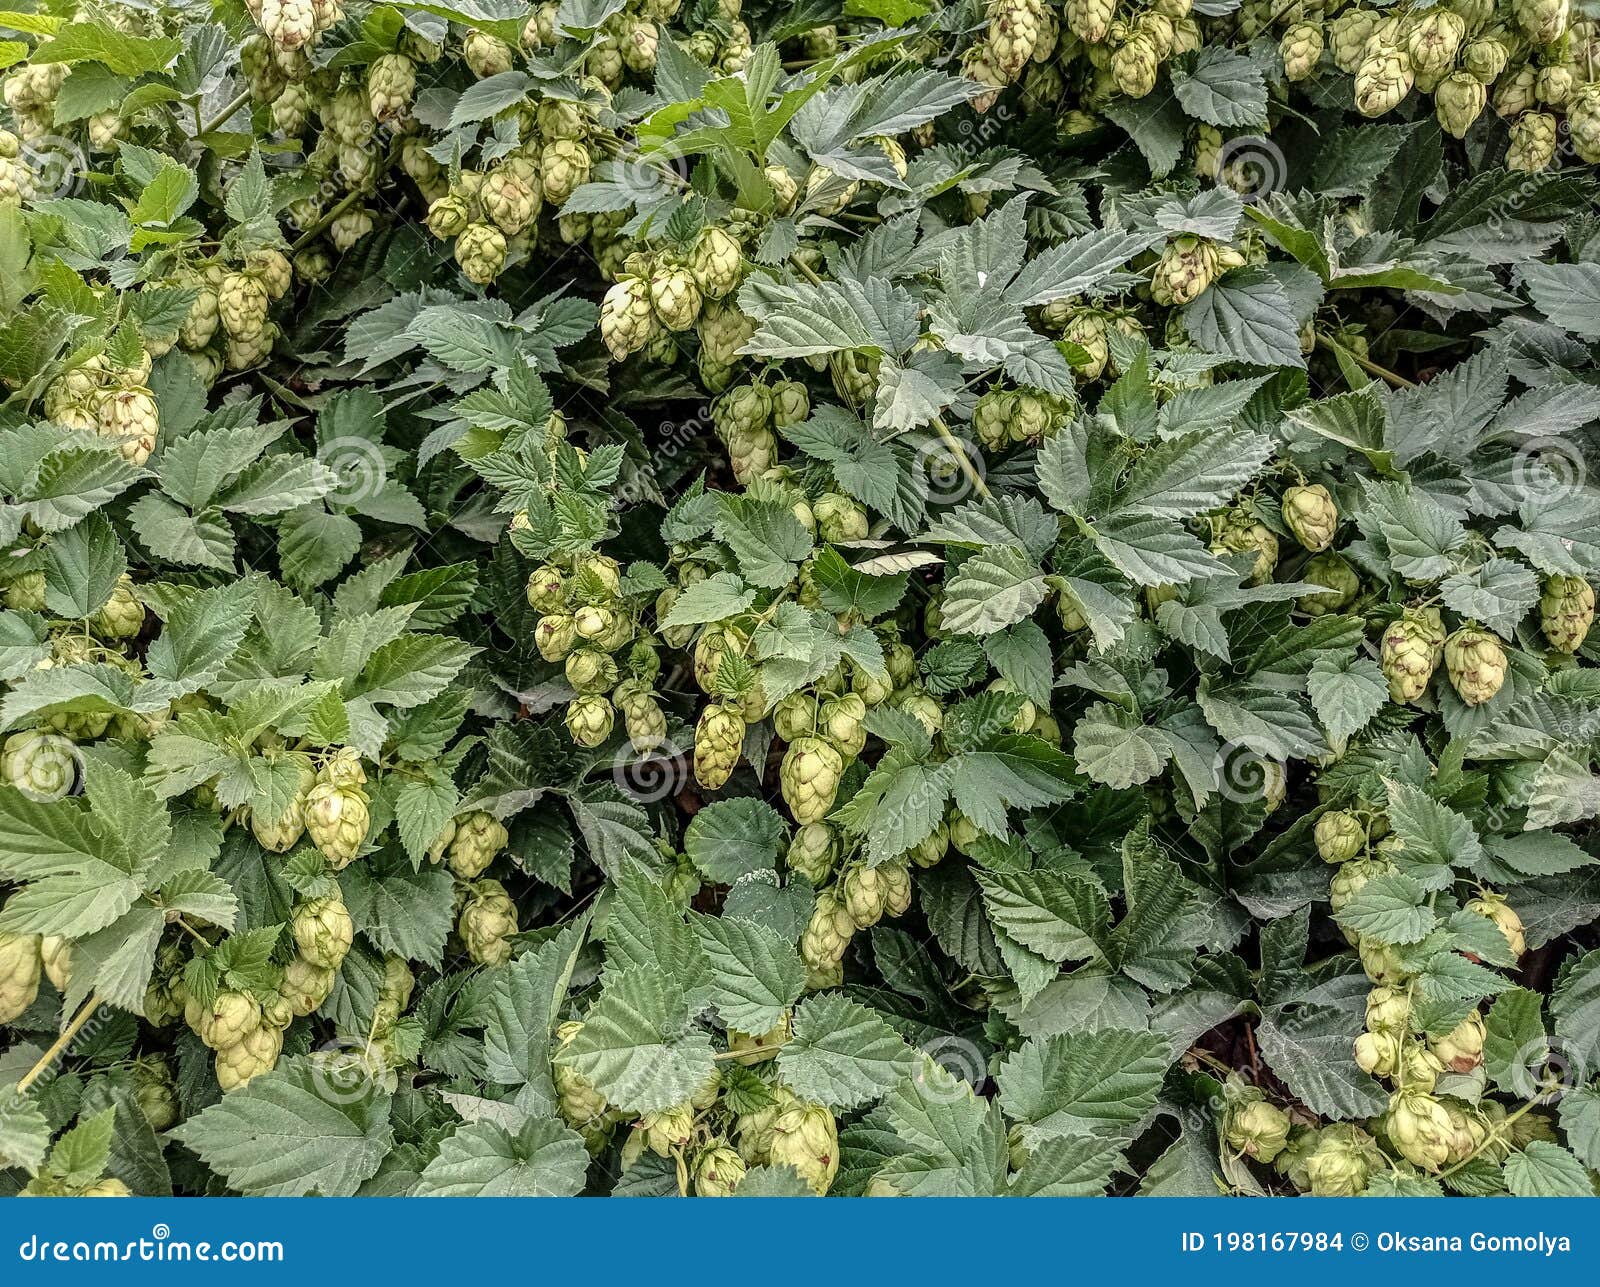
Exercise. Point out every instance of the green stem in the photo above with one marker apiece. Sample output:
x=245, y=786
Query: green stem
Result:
x=238, y=101
x=61, y=1043
x=316, y=229
x=1366, y=364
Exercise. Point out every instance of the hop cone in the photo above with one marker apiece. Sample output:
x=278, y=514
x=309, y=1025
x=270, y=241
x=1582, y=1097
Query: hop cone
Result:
x=1495, y=908
x=478, y=838
x=1476, y=663
x=337, y=819
x=1300, y=49
x=243, y=1061
x=481, y=253
x=716, y=263
x=590, y=719
x=675, y=298
x=1341, y=580
x=122, y=615
x=1309, y=512
x=1410, y=651
x=627, y=319
x=1583, y=120
x=1187, y=267
x=20, y=966
x=1383, y=79
x=1419, y=1129
x=1458, y=101
x=1340, y=836
x=1566, y=611
x=488, y=920
x=1343, y=1161
x=809, y=778
x=717, y=739
x=807, y=1138
x=718, y=1172
x=1257, y=1129
x=322, y=931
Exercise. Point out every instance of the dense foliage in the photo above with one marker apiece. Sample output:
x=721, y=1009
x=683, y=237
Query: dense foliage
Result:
x=650, y=598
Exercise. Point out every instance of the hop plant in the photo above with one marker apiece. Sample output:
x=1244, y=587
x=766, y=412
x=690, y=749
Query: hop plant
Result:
x=481, y=252
x=717, y=740
x=20, y=966
x=1310, y=514
x=478, y=837
x=1340, y=836
x=1566, y=611
x=1383, y=79
x=1256, y=1128
x=1188, y=265
x=718, y=1172
x=1410, y=652
x=323, y=931
x=1476, y=664
x=806, y=1137
x=487, y=923
x=809, y=778
x=336, y=819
